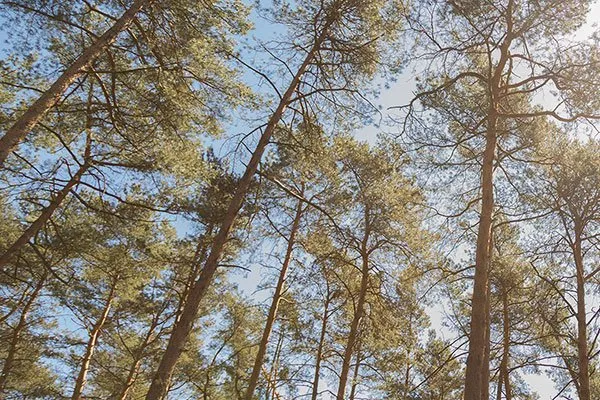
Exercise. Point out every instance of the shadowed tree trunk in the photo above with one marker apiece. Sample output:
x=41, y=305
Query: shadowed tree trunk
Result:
x=137, y=361
x=183, y=328
x=485, y=371
x=358, y=312
x=60, y=196
x=43, y=218
x=262, y=349
x=92, y=342
x=582, y=345
x=272, y=375
x=356, y=370
x=26, y=122
x=16, y=334
x=503, y=376
x=131, y=377
x=315, y=385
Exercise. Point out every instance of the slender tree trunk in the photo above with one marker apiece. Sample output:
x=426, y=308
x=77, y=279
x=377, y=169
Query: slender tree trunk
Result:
x=15, y=308
x=43, y=218
x=408, y=362
x=315, y=385
x=57, y=200
x=582, y=345
x=16, y=334
x=182, y=329
x=485, y=371
x=504, y=374
x=262, y=348
x=137, y=361
x=353, y=336
x=356, y=370
x=474, y=380
x=131, y=377
x=50, y=97
x=272, y=377
x=91, y=345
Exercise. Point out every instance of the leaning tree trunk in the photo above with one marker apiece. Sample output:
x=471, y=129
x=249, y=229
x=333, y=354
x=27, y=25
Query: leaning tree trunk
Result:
x=43, y=218
x=134, y=369
x=199, y=257
x=91, y=344
x=57, y=200
x=183, y=328
x=50, y=97
x=474, y=380
x=262, y=349
x=16, y=334
x=315, y=385
x=582, y=345
x=272, y=375
x=358, y=312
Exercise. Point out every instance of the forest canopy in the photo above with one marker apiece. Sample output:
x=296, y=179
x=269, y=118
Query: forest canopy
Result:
x=325, y=199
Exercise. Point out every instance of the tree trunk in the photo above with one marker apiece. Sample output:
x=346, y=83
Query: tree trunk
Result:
x=137, y=361
x=262, y=349
x=504, y=374
x=199, y=257
x=183, y=328
x=582, y=345
x=353, y=336
x=131, y=376
x=474, y=381
x=55, y=202
x=485, y=371
x=50, y=97
x=408, y=369
x=16, y=334
x=315, y=385
x=44, y=217
x=91, y=345
x=272, y=376
x=356, y=370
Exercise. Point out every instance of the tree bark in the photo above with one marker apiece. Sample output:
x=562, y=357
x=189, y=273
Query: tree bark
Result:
x=17, y=132
x=183, y=328
x=474, y=382
x=485, y=371
x=504, y=374
x=131, y=377
x=16, y=334
x=356, y=370
x=315, y=385
x=262, y=349
x=137, y=361
x=272, y=375
x=199, y=258
x=362, y=295
x=353, y=336
x=582, y=345
x=91, y=344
